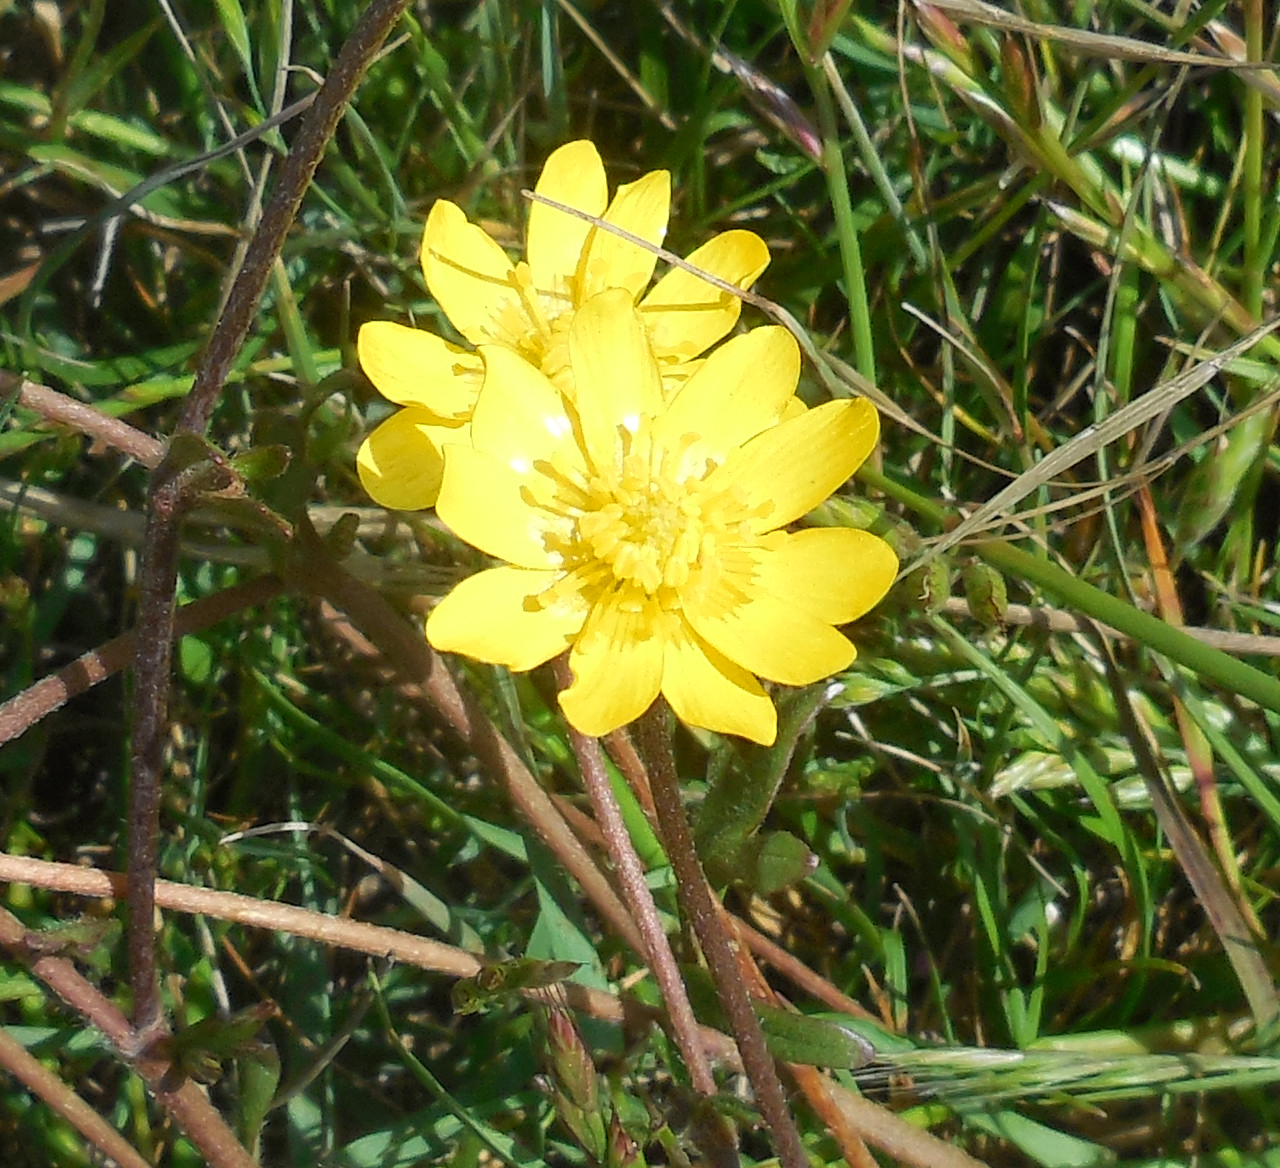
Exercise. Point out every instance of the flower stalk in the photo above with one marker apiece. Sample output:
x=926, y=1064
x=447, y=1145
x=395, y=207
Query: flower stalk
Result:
x=635, y=891
x=700, y=909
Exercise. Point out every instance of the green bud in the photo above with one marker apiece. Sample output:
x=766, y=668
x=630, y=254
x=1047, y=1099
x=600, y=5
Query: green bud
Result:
x=986, y=592
x=574, y=1094
x=765, y=863
x=622, y=1151
x=261, y=462
x=824, y=24
x=838, y=511
x=928, y=586
x=340, y=539
x=946, y=37
x=1020, y=84
x=569, y=1060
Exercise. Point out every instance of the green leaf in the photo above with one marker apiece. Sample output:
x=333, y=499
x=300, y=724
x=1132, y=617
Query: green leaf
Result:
x=743, y=789
x=237, y=30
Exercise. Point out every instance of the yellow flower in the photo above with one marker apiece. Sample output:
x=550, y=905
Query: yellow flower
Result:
x=645, y=533
x=527, y=307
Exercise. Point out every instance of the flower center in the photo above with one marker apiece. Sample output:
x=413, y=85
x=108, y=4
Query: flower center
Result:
x=652, y=530
x=649, y=528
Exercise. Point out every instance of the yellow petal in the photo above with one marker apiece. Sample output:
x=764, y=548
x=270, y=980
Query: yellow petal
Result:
x=487, y=504
x=520, y=417
x=495, y=616
x=412, y=367
x=706, y=689
x=793, y=466
x=835, y=574
x=641, y=209
x=617, y=669
x=675, y=376
x=741, y=389
x=615, y=376
x=400, y=464
x=573, y=175
x=773, y=639
x=685, y=314
x=471, y=278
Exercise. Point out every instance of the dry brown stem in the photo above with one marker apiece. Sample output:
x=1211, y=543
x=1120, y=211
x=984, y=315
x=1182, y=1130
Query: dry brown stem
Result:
x=184, y=1100
x=87, y=419
x=341, y=932
x=37, y=701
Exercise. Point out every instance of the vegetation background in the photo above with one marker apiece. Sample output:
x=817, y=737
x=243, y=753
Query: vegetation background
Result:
x=1032, y=835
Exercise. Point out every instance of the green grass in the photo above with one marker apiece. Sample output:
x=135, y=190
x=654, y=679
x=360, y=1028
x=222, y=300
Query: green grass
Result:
x=1026, y=840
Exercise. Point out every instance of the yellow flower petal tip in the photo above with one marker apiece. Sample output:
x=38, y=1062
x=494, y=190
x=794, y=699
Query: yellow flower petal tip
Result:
x=528, y=307
x=647, y=533
x=401, y=464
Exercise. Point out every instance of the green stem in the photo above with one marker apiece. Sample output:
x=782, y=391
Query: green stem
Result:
x=855, y=284
x=1071, y=592
x=832, y=162
x=1254, y=134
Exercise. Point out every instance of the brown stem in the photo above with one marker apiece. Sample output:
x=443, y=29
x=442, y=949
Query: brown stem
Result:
x=87, y=419
x=629, y=762
x=281, y=209
x=702, y=912
x=815, y=1085
x=39, y=700
x=58, y=1097
x=405, y=648
x=183, y=1100
x=158, y=574
x=626, y=864
x=167, y=500
x=896, y=1138
x=342, y=932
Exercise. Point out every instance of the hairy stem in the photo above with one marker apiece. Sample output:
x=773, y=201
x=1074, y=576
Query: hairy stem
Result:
x=630, y=873
x=167, y=501
x=702, y=912
x=183, y=1099
x=90, y=420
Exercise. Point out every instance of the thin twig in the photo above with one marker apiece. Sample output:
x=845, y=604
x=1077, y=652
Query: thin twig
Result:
x=308, y=147
x=899, y=1140
x=87, y=419
x=626, y=865
x=817, y=1090
x=702, y=912
x=167, y=501
x=1059, y=620
x=58, y=1097
x=184, y=1100
x=158, y=574
x=37, y=701
x=338, y=931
